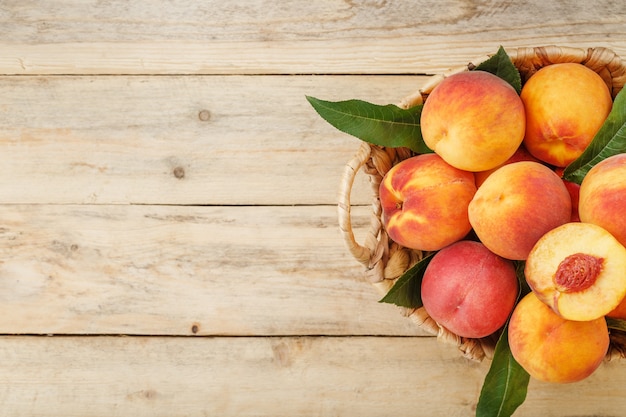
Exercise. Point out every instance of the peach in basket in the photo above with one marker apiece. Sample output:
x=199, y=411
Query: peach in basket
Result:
x=516, y=205
x=469, y=290
x=566, y=104
x=579, y=270
x=554, y=349
x=424, y=202
x=474, y=120
x=396, y=267
x=385, y=259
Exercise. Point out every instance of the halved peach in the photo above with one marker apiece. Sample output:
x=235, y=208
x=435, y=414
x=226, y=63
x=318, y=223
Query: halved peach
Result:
x=579, y=270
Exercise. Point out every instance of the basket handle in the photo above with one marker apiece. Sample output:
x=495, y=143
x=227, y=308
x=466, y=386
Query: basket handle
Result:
x=361, y=253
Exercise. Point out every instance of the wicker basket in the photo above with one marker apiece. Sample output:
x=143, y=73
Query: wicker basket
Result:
x=385, y=260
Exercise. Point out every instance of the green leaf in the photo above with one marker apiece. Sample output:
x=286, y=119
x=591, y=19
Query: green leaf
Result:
x=610, y=140
x=505, y=385
x=521, y=278
x=501, y=65
x=389, y=125
x=616, y=324
x=407, y=291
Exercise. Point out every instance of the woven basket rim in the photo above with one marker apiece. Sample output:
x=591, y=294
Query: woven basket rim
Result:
x=384, y=260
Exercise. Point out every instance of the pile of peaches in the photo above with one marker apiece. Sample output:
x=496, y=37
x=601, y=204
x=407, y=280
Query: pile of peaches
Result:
x=492, y=194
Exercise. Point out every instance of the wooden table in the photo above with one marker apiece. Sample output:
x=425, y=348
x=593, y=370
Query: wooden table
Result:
x=168, y=228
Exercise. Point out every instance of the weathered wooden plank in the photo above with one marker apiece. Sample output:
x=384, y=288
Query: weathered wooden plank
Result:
x=176, y=270
x=217, y=37
x=284, y=376
x=179, y=140
x=108, y=376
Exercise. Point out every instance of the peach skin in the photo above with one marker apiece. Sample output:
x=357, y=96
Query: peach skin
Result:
x=424, y=202
x=553, y=349
x=602, y=196
x=516, y=205
x=469, y=290
x=521, y=154
x=566, y=104
x=474, y=120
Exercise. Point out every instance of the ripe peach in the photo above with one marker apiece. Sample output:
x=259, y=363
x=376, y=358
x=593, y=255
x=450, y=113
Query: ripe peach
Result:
x=603, y=196
x=566, y=104
x=516, y=205
x=469, y=290
x=474, y=120
x=579, y=270
x=553, y=349
x=424, y=202
x=574, y=192
x=521, y=154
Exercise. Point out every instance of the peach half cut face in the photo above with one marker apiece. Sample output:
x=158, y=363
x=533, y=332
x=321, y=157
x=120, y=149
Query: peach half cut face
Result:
x=579, y=270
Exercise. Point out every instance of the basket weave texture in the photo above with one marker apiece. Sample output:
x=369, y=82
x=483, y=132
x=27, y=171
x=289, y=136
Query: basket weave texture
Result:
x=384, y=260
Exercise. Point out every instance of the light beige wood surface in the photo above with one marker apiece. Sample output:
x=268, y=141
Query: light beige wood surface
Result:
x=277, y=376
x=183, y=270
x=293, y=37
x=178, y=139
x=168, y=235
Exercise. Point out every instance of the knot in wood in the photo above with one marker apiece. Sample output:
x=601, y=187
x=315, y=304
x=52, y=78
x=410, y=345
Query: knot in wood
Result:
x=179, y=172
x=204, y=115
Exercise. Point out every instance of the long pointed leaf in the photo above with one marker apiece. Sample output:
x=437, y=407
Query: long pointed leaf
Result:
x=389, y=125
x=506, y=384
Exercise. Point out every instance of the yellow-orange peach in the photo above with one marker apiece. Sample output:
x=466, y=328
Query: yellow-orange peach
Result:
x=516, y=205
x=424, y=202
x=474, y=120
x=469, y=290
x=603, y=196
x=566, y=104
x=553, y=349
x=579, y=270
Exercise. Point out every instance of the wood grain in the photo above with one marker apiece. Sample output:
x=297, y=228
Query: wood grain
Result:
x=175, y=377
x=299, y=37
x=176, y=270
x=167, y=206
x=179, y=140
x=281, y=376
